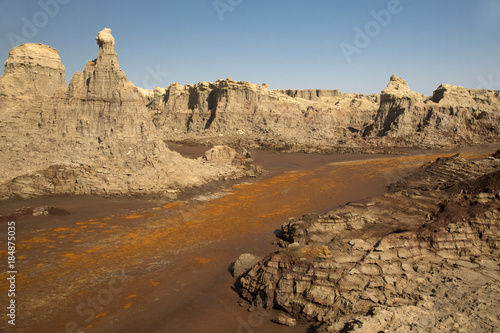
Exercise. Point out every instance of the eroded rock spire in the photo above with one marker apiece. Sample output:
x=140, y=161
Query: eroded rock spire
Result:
x=106, y=43
x=396, y=85
x=102, y=77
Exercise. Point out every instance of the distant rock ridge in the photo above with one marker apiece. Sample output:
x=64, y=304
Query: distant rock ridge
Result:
x=451, y=116
x=243, y=113
x=236, y=109
x=94, y=137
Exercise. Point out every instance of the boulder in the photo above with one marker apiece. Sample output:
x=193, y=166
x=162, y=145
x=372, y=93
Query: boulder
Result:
x=285, y=320
x=48, y=210
x=244, y=263
x=220, y=155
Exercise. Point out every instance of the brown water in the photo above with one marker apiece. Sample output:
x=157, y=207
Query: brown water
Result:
x=129, y=265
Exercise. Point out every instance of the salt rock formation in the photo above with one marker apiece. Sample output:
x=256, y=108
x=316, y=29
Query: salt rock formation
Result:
x=93, y=137
x=396, y=85
x=424, y=257
x=392, y=117
x=229, y=109
x=224, y=155
x=236, y=112
x=452, y=116
x=244, y=263
x=102, y=77
x=33, y=70
x=221, y=155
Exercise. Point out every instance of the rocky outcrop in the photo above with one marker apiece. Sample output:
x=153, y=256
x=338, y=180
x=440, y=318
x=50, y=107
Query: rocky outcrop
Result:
x=229, y=110
x=94, y=137
x=423, y=257
x=241, y=113
x=395, y=100
x=452, y=116
x=32, y=70
x=224, y=156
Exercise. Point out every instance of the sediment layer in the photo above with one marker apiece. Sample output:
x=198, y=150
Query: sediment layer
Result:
x=422, y=257
x=242, y=113
x=102, y=135
x=94, y=137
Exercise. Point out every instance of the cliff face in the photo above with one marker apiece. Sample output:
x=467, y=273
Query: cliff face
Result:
x=423, y=257
x=231, y=111
x=32, y=70
x=235, y=109
x=452, y=116
x=95, y=137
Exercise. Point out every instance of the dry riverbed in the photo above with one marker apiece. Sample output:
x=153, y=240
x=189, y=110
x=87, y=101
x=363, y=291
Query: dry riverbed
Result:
x=135, y=265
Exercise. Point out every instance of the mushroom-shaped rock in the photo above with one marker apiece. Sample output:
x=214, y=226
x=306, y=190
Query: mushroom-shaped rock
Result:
x=105, y=39
x=101, y=78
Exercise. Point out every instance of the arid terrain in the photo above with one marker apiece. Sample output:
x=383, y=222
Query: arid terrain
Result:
x=101, y=135
x=351, y=213
x=424, y=257
x=168, y=261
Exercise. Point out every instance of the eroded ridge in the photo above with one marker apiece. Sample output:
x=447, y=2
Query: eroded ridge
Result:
x=242, y=113
x=93, y=137
x=422, y=257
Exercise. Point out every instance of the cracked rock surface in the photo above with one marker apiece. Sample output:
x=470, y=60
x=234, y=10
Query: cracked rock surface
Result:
x=424, y=257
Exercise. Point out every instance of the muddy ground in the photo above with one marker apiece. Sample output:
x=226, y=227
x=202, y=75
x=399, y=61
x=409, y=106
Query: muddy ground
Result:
x=138, y=265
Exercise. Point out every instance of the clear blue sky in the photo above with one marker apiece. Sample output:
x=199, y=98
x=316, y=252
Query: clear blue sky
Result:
x=289, y=44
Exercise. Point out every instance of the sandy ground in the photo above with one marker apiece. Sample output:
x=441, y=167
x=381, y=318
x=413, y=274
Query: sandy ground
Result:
x=133, y=265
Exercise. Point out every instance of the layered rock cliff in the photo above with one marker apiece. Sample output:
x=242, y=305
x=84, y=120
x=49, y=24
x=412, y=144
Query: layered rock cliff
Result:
x=249, y=114
x=424, y=257
x=227, y=110
x=103, y=135
x=452, y=116
x=94, y=137
x=32, y=70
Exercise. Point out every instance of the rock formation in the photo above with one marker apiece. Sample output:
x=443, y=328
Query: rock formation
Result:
x=33, y=70
x=102, y=135
x=227, y=111
x=94, y=137
x=424, y=257
x=241, y=113
x=244, y=263
x=452, y=116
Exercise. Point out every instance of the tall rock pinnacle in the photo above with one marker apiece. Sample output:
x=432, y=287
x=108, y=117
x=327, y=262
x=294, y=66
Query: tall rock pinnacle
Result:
x=101, y=78
x=106, y=44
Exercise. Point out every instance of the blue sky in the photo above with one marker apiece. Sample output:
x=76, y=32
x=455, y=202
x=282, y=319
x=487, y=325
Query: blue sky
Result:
x=289, y=44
